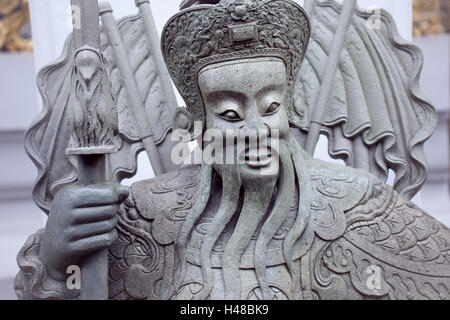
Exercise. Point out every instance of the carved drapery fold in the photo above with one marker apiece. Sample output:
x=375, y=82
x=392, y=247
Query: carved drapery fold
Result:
x=377, y=118
x=33, y=281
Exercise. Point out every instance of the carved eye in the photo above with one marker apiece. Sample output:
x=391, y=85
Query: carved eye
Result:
x=230, y=115
x=274, y=107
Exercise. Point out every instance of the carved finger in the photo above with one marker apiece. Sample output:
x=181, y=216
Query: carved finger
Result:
x=101, y=195
x=92, y=229
x=94, y=243
x=94, y=214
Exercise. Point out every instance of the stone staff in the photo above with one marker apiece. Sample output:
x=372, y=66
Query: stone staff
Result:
x=94, y=123
x=130, y=82
x=329, y=74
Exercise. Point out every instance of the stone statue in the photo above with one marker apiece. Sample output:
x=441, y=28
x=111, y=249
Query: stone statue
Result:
x=279, y=224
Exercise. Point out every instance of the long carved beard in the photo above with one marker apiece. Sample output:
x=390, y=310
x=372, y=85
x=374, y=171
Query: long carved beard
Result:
x=276, y=218
x=231, y=185
x=257, y=198
x=256, y=202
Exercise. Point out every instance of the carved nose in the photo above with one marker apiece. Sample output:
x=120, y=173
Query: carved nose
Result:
x=255, y=136
x=254, y=119
x=252, y=127
x=256, y=128
x=255, y=133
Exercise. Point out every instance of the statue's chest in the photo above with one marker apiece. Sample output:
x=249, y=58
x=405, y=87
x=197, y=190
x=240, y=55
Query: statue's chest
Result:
x=139, y=275
x=150, y=269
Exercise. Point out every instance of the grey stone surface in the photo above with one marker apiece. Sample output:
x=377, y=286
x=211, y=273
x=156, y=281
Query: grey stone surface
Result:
x=282, y=225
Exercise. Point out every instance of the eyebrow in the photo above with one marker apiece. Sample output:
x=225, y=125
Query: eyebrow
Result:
x=225, y=94
x=270, y=87
x=239, y=95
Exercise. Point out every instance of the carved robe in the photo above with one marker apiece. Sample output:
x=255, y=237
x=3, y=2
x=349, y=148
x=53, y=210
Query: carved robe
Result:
x=362, y=240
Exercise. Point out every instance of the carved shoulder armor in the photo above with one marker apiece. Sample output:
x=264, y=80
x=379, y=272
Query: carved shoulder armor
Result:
x=335, y=193
x=389, y=247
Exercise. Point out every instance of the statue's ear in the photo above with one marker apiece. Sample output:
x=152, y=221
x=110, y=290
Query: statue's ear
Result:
x=183, y=120
x=297, y=112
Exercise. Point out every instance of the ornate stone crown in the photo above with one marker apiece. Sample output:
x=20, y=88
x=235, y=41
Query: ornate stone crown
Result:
x=233, y=29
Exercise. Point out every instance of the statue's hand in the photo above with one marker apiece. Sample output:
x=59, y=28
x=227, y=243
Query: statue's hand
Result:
x=81, y=220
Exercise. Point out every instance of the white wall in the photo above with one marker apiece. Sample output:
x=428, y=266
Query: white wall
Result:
x=435, y=83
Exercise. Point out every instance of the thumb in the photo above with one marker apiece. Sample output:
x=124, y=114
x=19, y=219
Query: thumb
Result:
x=124, y=193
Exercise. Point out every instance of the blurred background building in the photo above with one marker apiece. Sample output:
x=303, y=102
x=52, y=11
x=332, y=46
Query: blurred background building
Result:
x=20, y=102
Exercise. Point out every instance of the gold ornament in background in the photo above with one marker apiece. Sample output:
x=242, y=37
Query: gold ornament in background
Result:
x=14, y=14
x=431, y=17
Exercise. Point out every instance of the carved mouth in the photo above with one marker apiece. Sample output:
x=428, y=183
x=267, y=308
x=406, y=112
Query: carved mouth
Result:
x=258, y=158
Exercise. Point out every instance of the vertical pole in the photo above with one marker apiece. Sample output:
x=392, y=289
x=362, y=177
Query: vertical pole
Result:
x=88, y=32
x=94, y=266
x=91, y=155
x=131, y=86
x=329, y=75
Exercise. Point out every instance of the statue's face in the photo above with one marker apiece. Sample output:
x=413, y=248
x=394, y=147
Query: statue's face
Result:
x=248, y=96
